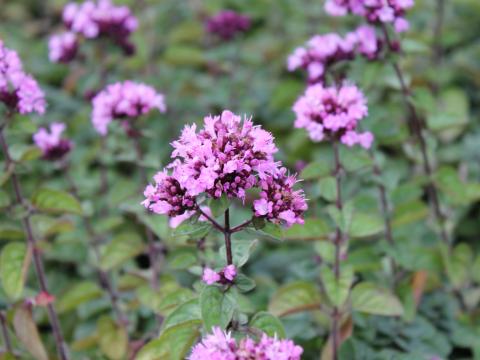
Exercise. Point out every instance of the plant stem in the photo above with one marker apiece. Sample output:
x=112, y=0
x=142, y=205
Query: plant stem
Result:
x=215, y=224
x=417, y=127
x=338, y=243
x=385, y=209
x=241, y=226
x=228, y=241
x=103, y=277
x=6, y=337
x=37, y=259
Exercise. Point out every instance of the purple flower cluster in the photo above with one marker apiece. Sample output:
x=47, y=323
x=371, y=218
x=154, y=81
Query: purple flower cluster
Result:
x=374, y=11
x=52, y=145
x=62, y=47
x=222, y=346
x=322, y=51
x=93, y=19
x=227, y=23
x=226, y=276
x=18, y=90
x=278, y=201
x=124, y=100
x=227, y=156
x=333, y=113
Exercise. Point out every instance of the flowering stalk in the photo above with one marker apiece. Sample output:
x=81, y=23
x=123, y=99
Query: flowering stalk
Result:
x=37, y=259
x=6, y=337
x=103, y=277
x=339, y=237
x=228, y=240
x=417, y=128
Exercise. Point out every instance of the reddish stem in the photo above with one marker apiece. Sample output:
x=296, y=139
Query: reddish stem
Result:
x=37, y=259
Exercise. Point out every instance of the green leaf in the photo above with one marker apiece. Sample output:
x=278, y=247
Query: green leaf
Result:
x=192, y=230
x=315, y=170
x=452, y=114
x=241, y=251
x=78, y=294
x=113, y=338
x=328, y=188
x=183, y=55
x=312, y=229
x=14, y=263
x=120, y=249
x=244, y=283
x=458, y=263
x=367, y=297
x=21, y=153
x=457, y=191
x=218, y=206
x=298, y=296
x=173, y=344
x=27, y=332
x=11, y=232
x=366, y=224
x=4, y=199
x=342, y=218
x=56, y=201
x=337, y=290
x=268, y=231
x=186, y=312
x=408, y=213
x=217, y=307
x=181, y=259
x=268, y=323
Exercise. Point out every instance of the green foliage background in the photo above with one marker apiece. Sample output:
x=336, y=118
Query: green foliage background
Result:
x=431, y=299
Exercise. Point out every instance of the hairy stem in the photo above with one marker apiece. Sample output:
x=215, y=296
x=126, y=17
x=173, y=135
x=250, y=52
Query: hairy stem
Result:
x=228, y=241
x=6, y=337
x=103, y=277
x=338, y=243
x=417, y=127
x=37, y=259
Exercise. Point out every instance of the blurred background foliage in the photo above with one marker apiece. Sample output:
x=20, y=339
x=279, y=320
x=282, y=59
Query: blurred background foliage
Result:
x=439, y=292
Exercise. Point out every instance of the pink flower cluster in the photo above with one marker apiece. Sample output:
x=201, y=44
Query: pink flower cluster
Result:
x=322, y=51
x=227, y=156
x=333, y=113
x=18, y=90
x=62, y=47
x=124, y=100
x=374, y=11
x=227, y=23
x=93, y=19
x=278, y=201
x=227, y=275
x=221, y=345
x=52, y=145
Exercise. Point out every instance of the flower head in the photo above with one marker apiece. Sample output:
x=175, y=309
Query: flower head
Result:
x=226, y=276
x=52, y=145
x=94, y=19
x=374, y=11
x=221, y=345
x=227, y=23
x=167, y=196
x=62, y=47
x=332, y=113
x=278, y=202
x=323, y=51
x=124, y=100
x=18, y=90
x=227, y=156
